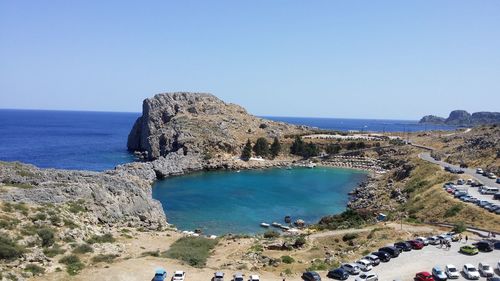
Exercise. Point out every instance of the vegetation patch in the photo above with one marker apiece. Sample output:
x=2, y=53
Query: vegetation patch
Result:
x=54, y=251
x=106, y=238
x=271, y=234
x=73, y=264
x=34, y=269
x=9, y=249
x=83, y=249
x=151, y=253
x=349, y=237
x=347, y=219
x=193, y=250
x=47, y=235
x=287, y=259
x=453, y=210
x=104, y=258
x=76, y=207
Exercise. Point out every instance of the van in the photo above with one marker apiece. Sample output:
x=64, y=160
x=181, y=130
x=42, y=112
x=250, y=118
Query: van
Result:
x=489, y=190
x=391, y=250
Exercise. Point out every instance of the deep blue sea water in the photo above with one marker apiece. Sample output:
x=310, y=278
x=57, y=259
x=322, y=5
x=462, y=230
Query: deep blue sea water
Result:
x=65, y=139
x=237, y=202
x=366, y=125
x=97, y=140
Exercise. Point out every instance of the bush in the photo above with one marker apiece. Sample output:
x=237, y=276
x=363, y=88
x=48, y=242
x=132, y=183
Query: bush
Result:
x=76, y=206
x=83, y=249
x=106, y=238
x=287, y=259
x=271, y=234
x=347, y=219
x=299, y=242
x=34, y=269
x=349, y=237
x=151, y=253
x=47, y=236
x=104, y=258
x=318, y=264
x=193, y=250
x=460, y=227
x=73, y=264
x=53, y=251
x=39, y=217
x=453, y=210
x=9, y=249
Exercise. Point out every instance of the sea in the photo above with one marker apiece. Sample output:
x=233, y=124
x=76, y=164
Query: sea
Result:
x=96, y=141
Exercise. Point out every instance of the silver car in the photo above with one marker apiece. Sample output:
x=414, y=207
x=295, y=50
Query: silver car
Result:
x=451, y=271
x=351, y=268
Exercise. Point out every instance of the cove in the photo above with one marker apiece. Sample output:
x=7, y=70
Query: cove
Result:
x=221, y=202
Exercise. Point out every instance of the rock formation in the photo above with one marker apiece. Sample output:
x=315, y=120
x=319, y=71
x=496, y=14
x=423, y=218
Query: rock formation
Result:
x=463, y=118
x=198, y=124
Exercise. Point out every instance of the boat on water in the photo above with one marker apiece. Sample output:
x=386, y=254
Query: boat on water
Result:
x=263, y=224
x=275, y=224
x=284, y=227
x=311, y=165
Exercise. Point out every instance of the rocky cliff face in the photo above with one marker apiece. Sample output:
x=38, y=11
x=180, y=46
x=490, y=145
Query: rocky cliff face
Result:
x=463, y=118
x=113, y=197
x=197, y=124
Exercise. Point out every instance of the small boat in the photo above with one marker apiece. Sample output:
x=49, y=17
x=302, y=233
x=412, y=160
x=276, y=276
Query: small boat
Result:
x=311, y=165
x=275, y=224
x=263, y=224
x=284, y=227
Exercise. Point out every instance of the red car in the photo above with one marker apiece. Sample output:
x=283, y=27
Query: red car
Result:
x=423, y=276
x=416, y=245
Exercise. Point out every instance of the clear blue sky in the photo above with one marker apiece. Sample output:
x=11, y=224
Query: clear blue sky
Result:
x=366, y=59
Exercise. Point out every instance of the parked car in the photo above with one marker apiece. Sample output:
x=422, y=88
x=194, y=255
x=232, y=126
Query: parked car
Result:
x=493, y=279
x=254, y=278
x=483, y=203
x=493, y=208
x=311, y=276
x=339, y=274
x=238, y=276
x=351, y=268
x=496, y=196
x=179, y=276
x=369, y=276
x=218, y=276
x=416, y=244
x=364, y=265
x=383, y=256
x=479, y=171
x=423, y=240
x=374, y=260
x=498, y=180
x=438, y=274
x=160, y=274
x=391, y=250
x=433, y=240
x=423, y=276
x=485, y=269
x=484, y=246
x=470, y=271
x=469, y=250
x=451, y=271
x=403, y=246
x=492, y=176
x=496, y=245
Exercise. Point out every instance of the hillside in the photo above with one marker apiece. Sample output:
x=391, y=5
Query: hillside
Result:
x=463, y=118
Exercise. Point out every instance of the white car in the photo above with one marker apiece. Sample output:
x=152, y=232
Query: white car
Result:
x=485, y=269
x=433, y=240
x=351, y=268
x=254, y=278
x=369, y=276
x=238, y=276
x=179, y=276
x=498, y=265
x=364, y=265
x=470, y=271
x=451, y=271
x=423, y=240
x=374, y=260
x=479, y=170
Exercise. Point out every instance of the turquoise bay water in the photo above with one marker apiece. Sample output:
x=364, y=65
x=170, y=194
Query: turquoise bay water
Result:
x=237, y=202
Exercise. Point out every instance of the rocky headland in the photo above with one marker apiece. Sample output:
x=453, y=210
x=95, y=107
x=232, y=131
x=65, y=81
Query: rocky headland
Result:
x=463, y=118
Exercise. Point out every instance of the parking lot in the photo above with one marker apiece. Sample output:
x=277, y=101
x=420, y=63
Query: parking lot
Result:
x=407, y=264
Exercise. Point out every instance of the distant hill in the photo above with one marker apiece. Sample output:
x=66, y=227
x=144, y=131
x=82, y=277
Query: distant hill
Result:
x=463, y=118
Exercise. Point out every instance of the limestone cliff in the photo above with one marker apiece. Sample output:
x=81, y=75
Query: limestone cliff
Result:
x=196, y=124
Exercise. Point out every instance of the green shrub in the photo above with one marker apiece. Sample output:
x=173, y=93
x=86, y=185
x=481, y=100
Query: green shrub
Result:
x=76, y=207
x=21, y=207
x=271, y=234
x=151, y=253
x=106, y=238
x=8, y=223
x=349, y=236
x=9, y=249
x=299, y=242
x=34, y=269
x=39, y=217
x=460, y=227
x=47, y=236
x=193, y=250
x=453, y=210
x=347, y=219
x=53, y=251
x=104, y=258
x=287, y=259
x=73, y=264
x=318, y=264
x=83, y=249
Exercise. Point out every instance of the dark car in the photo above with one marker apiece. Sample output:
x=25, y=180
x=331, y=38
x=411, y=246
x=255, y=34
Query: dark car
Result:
x=311, y=276
x=496, y=245
x=383, y=256
x=393, y=251
x=484, y=246
x=339, y=274
x=416, y=245
x=496, y=196
x=403, y=246
x=493, y=279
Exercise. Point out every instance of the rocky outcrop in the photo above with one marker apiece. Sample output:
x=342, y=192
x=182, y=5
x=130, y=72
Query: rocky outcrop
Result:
x=432, y=119
x=463, y=118
x=198, y=124
x=112, y=197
